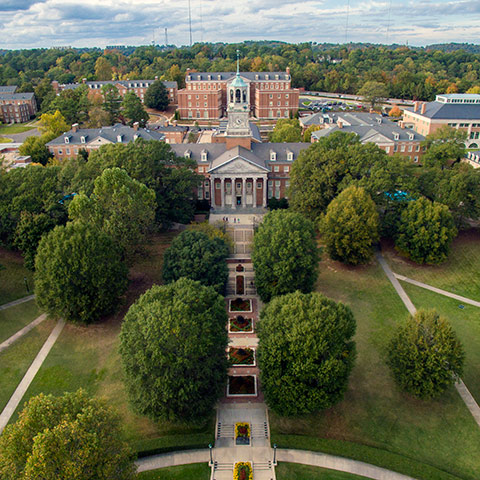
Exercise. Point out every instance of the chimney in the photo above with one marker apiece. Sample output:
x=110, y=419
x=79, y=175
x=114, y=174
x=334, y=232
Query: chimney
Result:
x=55, y=86
x=135, y=126
x=340, y=124
x=415, y=106
x=424, y=107
x=75, y=128
x=84, y=80
x=371, y=110
x=402, y=124
x=288, y=70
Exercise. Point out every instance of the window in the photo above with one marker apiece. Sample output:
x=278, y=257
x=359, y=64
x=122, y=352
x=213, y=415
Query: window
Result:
x=402, y=148
x=276, y=168
x=417, y=148
x=410, y=148
x=259, y=185
x=67, y=140
x=200, y=170
x=286, y=168
x=415, y=159
x=67, y=151
x=60, y=151
x=204, y=156
x=273, y=156
x=270, y=187
x=217, y=186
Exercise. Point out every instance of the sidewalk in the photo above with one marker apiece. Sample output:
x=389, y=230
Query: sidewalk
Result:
x=16, y=302
x=4, y=345
x=172, y=459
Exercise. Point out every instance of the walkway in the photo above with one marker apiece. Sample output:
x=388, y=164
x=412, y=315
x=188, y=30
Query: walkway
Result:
x=17, y=396
x=16, y=302
x=460, y=386
x=4, y=345
x=172, y=459
x=438, y=290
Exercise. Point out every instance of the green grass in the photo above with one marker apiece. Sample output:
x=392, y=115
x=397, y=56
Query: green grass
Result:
x=15, y=318
x=5, y=140
x=289, y=471
x=12, y=284
x=195, y=471
x=16, y=128
x=16, y=359
x=375, y=422
x=466, y=323
x=459, y=274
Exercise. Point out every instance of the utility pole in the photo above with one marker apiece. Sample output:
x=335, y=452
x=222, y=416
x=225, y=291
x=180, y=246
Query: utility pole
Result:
x=166, y=37
x=190, y=20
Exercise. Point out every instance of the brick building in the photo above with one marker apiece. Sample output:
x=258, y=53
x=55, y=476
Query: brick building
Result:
x=457, y=110
x=139, y=87
x=269, y=94
x=17, y=107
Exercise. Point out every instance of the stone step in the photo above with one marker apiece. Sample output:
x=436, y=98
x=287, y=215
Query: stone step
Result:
x=217, y=466
x=262, y=466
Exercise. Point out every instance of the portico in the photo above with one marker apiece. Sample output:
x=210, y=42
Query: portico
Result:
x=239, y=191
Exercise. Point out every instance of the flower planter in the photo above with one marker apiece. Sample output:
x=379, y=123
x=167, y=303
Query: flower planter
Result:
x=242, y=386
x=240, y=305
x=243, y=471
x=242, y=433
x=242, y=357
x=240, y=324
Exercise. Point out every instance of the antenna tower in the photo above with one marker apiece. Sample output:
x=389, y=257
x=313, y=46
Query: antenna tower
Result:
x=346, y=22
x=166, y=37
x=190, y=20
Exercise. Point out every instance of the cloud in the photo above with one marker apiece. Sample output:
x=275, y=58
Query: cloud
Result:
x=12, y=5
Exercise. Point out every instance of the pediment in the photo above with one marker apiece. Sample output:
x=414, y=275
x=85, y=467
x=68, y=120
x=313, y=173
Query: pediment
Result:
x=99, y=141
x=376, y=138
x=239, y=165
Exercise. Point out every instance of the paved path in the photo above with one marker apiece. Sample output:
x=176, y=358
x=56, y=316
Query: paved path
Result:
x=4, y=345
x=438, y=290
x=462, y=389
x=17, y=396
x=16, y=302
x=323, y=460
x=172, y=459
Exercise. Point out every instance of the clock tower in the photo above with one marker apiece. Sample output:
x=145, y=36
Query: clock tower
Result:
x=238, y=109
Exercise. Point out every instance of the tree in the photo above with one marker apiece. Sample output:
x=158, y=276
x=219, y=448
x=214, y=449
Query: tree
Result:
x=395, y=112
x=156, y=96
x=213, y=230
x=36, y=149
x=305, y=353
x=425, y=231
x=72, y=104
x=44, y=94
x=350, y=226
x=285, y=254
x=79, y=274
x=425, y=355
x=173, y=343
x=373, y=92
x=112, y=102
x=133, y=110
x=53, y=124
x=103, y=69
x=445, y=145
x=72, y=437
x=307, y=135
x=120, y=206
x=286, y=130
x=194, y=255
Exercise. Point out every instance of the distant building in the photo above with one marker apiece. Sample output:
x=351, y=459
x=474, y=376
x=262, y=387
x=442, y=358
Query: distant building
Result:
x=139, y=87
x=457, y=110
x=394, y=138
x=173, y=133
x=269, y=95
x=12, y=159
x=70, y=143
x=473, y=158
x=16, y=107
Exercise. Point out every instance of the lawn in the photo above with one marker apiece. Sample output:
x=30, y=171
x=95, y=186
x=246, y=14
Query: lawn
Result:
x=16, y=128
x=288, y=471
x=459, y=274
x=88, y=357
x=12, y=283
x=466, y=323
x=5, y=140
x=15, y=318
x=195, y=471
x=375, y=422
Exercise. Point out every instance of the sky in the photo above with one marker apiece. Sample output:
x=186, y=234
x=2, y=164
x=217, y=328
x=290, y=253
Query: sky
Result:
x=90, y=23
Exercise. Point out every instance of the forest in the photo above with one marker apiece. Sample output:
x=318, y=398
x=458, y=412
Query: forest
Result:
x=408, y=72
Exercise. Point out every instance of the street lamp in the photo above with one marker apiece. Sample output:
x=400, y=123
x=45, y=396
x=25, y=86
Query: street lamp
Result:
x=26, y=284
x=211, y=458
x=274, y=454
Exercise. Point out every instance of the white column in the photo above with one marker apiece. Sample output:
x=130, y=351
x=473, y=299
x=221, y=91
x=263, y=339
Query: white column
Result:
x=255, y=180
x=222, y=189
x=212, y=190
x=244, y=192
x=234, y=193
x=265, y=185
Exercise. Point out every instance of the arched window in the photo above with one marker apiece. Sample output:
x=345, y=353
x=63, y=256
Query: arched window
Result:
x=237, y=96
x=244, y=96
x=231, y=96
x=240, y=268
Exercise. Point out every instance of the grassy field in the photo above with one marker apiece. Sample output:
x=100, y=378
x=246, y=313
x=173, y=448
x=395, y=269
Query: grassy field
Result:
x=459, y=274
x=88, y=357
x=15, y=318
x=375, y=422
x=12, y=284
x=196, y=471
x=288, y=471
x=466, y=323
x=5, y=140
x=16, y=128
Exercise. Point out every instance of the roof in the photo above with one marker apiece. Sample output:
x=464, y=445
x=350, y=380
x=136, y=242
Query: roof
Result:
x=238, y=81
x=110, y=134
x=263, y=150
x=171, y=128
x=236, y=152
x=222, y=128
x=17, y=96
x=449, y=111
x=7, y=88
x=458, y=98
x=251, y=76
x=125, y=83
x=213, y=150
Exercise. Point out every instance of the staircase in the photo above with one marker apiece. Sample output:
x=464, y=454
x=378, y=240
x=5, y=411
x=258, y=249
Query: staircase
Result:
x=225, y=430
x=260, y=430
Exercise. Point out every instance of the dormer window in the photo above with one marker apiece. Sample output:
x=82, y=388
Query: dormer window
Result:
x=119, y=138
x=379, y=121
x=289, y=156
x=276, y=77
x=187, y=153
x=209, y=77
x=273, y=156
x=266, y=77
x=135, y=136
x=189, y=77
x=219, y=77
x=67, y=139
x=204, y=156
x=396, y=136
x=199, y=77
x=411, y=136
x=82, y=139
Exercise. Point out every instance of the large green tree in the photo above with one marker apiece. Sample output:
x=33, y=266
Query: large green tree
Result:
x=350, y=226
x=112, y=102
x=444, y=146
x=172, y=343
x=156, y=96
x=120, y=206
x=194, y=255
x=425, y=231
x=72, y=104
x=285, y=254
x=306, y=352
x=79, y=274
x=133, y=110
x=425, y=355
x=373, y=92
x=286, y=130
x=73, y=437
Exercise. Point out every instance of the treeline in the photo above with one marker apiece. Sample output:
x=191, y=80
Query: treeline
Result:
x=408, y=72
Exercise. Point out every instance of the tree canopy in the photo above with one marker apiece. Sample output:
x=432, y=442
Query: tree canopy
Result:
x=133, y=110
x=173, y=342
x=194, y=255
x=156, y=96
x=72, y=437
x=306, y=352
x=79, y=274
x=444, y=146
x=373, y=92
x=286, y=130
x=285, y=254
x=425, y=355
x=350, y=226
